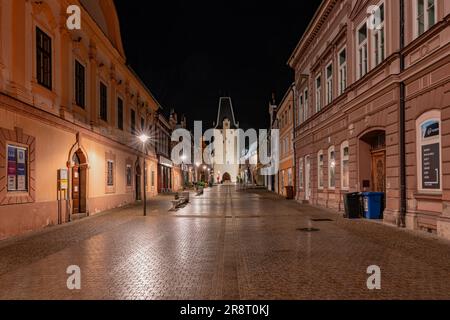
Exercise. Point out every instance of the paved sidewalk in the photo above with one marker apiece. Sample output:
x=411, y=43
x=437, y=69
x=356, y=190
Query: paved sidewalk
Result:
x=226, y=244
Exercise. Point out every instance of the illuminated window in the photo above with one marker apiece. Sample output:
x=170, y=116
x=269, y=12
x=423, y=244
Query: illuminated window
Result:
x=344, y=166
x=331, y=168
x=320, y=169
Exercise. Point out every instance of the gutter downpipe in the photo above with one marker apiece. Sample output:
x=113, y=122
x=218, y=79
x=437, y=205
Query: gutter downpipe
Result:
x=294, y=169
x=401, y=222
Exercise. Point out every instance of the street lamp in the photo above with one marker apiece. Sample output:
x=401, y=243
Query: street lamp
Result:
x=144, y=138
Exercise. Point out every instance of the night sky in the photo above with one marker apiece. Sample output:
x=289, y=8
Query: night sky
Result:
x=189, y=53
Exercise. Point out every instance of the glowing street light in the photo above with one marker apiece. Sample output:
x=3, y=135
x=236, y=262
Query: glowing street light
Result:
x=144, y=138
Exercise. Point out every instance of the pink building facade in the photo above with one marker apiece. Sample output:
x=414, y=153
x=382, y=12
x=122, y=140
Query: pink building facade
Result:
x=373, y=108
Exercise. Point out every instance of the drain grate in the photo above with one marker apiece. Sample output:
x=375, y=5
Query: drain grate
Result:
x=321, y=220
x=308, y=229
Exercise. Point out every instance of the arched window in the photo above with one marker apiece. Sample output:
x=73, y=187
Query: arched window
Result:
x=429, y=165
x=344, y=165
x=331, y=168
x=320, y=169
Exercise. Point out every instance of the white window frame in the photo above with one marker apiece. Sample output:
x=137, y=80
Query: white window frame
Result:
x=318, y=95
x=426, y=21
x=345, y=145
x=331, y=166
x=364, y=48
x=342, y=71
x=329, y=84
x=433, y=115
x=378, y=35
x=320, y=175
x=301, y=174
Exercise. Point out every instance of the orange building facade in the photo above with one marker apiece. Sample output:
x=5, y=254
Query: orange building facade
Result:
x=373, y=111
x=285, y=121
x=70, y=111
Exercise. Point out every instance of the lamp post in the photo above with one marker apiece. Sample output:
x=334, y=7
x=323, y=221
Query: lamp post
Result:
x=144, y=138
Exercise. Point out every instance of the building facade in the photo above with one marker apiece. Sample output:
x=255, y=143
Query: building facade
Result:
x=70, y=110
x=285, y=120
x=373, y=111
x=226, y=161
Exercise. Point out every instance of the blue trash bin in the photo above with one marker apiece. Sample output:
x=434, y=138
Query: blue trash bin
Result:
x=373, y=205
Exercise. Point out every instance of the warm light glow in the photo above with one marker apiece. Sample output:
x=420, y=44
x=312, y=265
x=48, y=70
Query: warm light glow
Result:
x=197, y=164
x=183, y=157
x=204, y=167
x=144, y=138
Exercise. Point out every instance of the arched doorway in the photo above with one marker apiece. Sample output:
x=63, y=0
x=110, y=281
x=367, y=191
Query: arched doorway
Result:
x=138, y=182
x=226, y=177
x=372, y=161
x=79, y=183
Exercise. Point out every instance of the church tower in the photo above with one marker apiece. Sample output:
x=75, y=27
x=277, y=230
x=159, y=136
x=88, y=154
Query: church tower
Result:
x=226, y=166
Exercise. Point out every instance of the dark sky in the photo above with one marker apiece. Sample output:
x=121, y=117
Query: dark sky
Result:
x=189, y=53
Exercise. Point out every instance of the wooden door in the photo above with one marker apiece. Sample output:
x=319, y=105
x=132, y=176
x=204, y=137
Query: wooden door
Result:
x=379, y=171
x=76, y=191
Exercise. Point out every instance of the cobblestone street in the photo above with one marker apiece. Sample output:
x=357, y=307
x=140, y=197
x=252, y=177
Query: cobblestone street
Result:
x=226, y=244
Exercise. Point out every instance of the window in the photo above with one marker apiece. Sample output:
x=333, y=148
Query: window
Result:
x=329, y=84
x=290, y=177
x=331, y=168
x=320, y=169
x=43, y=59
x=429, y=152
x=17, y=169
x=378, y=35
x=342, y=71
x=133, y=121
x=300, y=174
x=110, y=173
x=362, y=51
x=103, y=102
x=80, y=85
x=306, y=105
x=129, y=173
x=425, y=15
x=344, y=166
x=300, y=110
x=119, y=113
x=142, y=124
x=318, y=93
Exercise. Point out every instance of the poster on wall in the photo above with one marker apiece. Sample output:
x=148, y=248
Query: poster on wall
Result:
x=12, y=168
x=430, y=167
x=21, y=170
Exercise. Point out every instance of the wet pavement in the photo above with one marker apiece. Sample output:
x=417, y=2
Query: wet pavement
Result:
x=226, y=244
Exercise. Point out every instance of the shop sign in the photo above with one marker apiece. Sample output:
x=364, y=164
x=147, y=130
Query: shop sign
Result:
x=431, y=166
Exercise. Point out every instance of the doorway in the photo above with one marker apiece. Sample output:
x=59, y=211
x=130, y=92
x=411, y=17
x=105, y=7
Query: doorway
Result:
x=79, y=179
x=372, y=151
x=307, y=178
x=226, y=177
